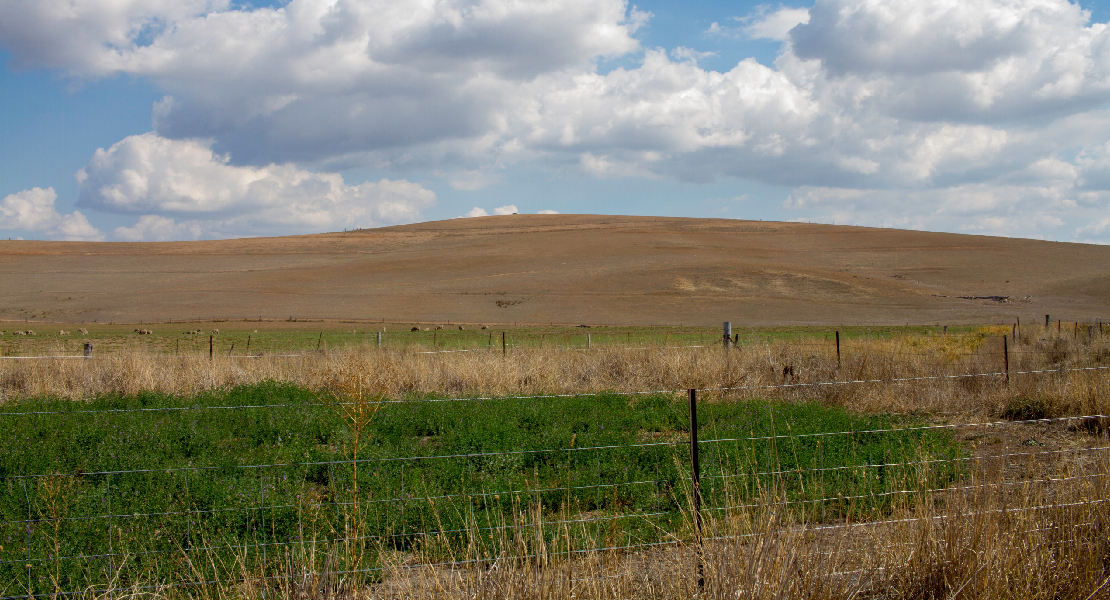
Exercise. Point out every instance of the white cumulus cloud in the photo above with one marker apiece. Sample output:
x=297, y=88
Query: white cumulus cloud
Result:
x=932, y=114
x=33, y=211
x=166, y=181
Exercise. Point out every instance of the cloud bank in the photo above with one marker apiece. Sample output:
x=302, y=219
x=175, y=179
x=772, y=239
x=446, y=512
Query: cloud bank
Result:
x=183, y=190
x=981, y=117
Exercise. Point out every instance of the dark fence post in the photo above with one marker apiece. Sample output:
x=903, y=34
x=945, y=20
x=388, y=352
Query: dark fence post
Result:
x=728, y=333
x=504, y=348
x=1046, y=321
x=838, y=349
x=695, y=478
x=1006, y=358
x=88, y=349
x=211, y=346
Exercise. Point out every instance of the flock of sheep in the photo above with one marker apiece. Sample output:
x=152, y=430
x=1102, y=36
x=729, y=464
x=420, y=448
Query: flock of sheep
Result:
x=82, y=331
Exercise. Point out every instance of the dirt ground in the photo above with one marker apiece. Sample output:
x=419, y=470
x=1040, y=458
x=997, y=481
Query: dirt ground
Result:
x=565, y=269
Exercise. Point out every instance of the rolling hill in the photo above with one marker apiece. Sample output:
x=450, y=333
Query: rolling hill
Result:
x=567, y=269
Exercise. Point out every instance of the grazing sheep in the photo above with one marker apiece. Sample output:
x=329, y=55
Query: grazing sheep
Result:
x=18, y=333
x=460, y=327
x=415, y=329
x=83, y=331
x=215, y=332
x=63, y=332
x=29, y=332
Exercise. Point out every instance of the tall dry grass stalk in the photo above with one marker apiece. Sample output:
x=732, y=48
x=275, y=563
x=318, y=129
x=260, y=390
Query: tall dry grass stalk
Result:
x=398, y=373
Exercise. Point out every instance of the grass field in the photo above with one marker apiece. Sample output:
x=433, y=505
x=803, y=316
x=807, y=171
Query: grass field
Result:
x=242, y=338
x=178, y=480
x=355, y=470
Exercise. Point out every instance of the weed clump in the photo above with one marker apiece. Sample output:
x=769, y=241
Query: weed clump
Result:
x=1027, y=409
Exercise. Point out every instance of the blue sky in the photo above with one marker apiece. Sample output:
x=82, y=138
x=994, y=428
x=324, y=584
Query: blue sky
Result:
x=199, y=119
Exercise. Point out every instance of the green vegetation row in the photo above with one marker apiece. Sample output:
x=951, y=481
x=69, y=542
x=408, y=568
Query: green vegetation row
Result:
x=240, y=339
x=134, y=487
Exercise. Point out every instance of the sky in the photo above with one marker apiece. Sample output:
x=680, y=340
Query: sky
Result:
x=151, y=120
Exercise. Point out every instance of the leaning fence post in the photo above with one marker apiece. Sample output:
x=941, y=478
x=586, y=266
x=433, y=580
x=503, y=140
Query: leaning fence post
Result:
x=695, y=479
x=1006, y=358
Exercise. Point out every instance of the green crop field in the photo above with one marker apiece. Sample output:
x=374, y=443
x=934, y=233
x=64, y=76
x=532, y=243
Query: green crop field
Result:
x=241, y=338
x=163, y=489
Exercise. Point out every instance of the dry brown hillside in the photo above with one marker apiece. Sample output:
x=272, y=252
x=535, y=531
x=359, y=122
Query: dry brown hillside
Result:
x=565, y=269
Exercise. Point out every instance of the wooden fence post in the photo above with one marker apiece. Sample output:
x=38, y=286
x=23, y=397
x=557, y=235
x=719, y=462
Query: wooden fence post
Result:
x=695, y=480
x=379, y=340
x=1046, y=321
x=88, y=349
x=211, y=345
x=728, y=333
x=838, y=349
x=504, y=347
x=589, y=342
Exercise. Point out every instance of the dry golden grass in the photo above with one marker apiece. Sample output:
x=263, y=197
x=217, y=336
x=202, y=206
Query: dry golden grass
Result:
x=397, y=373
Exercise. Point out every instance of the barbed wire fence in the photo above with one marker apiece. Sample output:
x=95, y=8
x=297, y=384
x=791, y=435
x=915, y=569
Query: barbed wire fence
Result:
x=358, y=518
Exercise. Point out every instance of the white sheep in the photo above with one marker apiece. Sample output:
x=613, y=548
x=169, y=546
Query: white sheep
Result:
x=215, y=332
x=63, y=332
x=83, y=331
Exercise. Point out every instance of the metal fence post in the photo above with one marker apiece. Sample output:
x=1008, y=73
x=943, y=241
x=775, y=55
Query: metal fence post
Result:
x=1006, y=358
x=695, y=479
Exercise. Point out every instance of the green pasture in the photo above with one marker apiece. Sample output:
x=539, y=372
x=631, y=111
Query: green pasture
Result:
x=241, y=338
x=257, y=479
